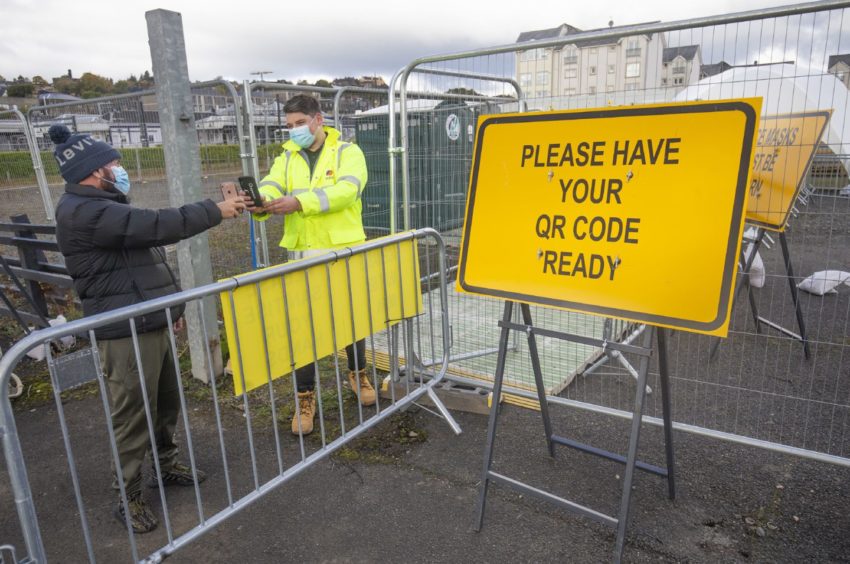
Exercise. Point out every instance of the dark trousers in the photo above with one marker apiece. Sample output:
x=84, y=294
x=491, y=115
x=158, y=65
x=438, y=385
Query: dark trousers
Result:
x=306, y=375
x=127, y=404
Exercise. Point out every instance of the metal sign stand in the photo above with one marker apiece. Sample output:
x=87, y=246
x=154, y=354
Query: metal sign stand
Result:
x=644, y=351
x=795, y=297
x=610, y=354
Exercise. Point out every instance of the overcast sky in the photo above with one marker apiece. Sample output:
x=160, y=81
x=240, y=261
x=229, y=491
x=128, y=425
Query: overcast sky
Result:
x=295, y=40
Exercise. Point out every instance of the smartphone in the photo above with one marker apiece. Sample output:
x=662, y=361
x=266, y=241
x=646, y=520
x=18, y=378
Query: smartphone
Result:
x=229, y=191
x=249, y=186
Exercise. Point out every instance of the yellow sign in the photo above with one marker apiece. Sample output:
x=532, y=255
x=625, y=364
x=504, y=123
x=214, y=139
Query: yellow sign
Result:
x=271, y=325
x=785, y=147
x=632, y=212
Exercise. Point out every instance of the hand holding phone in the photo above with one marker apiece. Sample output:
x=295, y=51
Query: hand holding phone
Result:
x=249, y=186
x=229, y=191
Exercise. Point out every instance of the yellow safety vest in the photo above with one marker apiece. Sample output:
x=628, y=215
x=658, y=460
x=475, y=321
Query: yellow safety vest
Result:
x=331, y=207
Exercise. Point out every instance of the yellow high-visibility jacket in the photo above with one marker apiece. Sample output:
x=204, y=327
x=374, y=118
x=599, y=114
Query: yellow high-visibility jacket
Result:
x=331, y=208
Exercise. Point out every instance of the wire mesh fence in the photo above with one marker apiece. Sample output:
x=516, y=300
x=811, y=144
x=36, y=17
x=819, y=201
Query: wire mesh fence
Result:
x=249, y=431
x=758, y=383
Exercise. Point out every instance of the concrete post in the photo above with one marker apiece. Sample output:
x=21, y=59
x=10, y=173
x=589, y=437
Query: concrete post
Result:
x=183, y=171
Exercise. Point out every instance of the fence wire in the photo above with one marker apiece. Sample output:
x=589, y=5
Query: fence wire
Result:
x=759, y=383
x=244, y=430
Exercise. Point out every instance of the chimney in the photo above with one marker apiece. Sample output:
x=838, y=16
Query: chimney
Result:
x=69, y=74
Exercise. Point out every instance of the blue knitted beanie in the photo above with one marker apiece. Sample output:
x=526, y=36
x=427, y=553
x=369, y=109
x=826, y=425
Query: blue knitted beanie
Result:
x=78, y=154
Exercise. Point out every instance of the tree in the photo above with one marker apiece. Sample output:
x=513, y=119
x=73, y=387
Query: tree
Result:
x=92, y=85
x=39, y=82
x=323, y=83
x=66, y=85
x=146, y=81
x=463, y=91
x=20, y=90
x=121, y=87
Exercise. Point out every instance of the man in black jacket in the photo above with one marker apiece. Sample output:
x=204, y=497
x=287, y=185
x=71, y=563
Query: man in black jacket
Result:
x=112, y=252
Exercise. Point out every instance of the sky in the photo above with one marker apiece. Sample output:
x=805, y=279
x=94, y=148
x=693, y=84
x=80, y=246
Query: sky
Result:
x=293, y=41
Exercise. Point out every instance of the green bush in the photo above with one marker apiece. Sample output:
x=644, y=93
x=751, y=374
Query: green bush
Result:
x=16, y=165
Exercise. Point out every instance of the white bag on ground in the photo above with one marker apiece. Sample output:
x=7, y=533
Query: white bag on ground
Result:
x=824, y=282
x=67, y=341
x=757, y=274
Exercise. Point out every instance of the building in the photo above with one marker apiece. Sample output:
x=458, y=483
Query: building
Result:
x=626, y=62
x=839, y=65
x=372, y=82
x=715, y=68
x=680, y=66
x=46, y=98
x=12, y=135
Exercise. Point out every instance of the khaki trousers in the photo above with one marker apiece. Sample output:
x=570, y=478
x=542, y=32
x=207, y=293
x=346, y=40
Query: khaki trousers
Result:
x=118, y=358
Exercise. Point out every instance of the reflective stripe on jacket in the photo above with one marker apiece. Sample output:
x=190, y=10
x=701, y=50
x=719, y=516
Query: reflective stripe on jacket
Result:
x=331, y=207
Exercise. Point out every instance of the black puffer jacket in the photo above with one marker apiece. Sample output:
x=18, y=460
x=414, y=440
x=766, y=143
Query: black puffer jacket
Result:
x=112, y=251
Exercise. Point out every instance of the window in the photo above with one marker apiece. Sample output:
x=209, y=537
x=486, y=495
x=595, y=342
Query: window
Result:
x=525, y=79
x=570, y=54
x=633, y=43
x=541, y=93
x=570, y=72
x=591, y=71
x=612, y=48
x=679, y=80
x=610, y=88
x=633, y=49
x=569, y=91
x=631, y=86
x=593, y=51
x=632, y=70
x=612, y=69
x=542, y=78
x=534, y=54
x=592, y=90
x=663, y=82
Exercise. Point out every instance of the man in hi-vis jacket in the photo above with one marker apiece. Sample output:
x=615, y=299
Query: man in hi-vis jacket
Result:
x=317, y=184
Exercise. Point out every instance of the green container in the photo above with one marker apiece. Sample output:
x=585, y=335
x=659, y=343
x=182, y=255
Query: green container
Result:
x=440, y=146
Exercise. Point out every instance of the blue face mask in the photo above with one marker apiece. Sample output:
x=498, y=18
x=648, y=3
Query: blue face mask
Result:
x=302, y=136
x=122, y=179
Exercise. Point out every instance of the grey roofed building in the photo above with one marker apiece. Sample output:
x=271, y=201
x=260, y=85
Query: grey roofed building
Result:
x=56, y=98
x=551, y=33
x=713, y=69
x=835, y=59
x=687, y=52
x=565, y=29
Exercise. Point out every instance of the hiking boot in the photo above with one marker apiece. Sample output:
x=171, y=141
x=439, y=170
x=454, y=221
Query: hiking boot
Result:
x=177, y=475
x=365, y=393
x=307, y=408
x=142, y=519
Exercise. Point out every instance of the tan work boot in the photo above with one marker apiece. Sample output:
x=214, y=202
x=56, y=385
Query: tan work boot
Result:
x=366, y=392
x=307, y=408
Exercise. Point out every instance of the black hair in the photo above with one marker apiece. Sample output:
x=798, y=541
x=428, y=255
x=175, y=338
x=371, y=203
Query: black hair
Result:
x=304, y=104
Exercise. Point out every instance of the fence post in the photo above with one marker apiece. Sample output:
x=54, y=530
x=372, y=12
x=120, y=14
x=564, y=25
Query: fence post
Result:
x=183, y=172
x=37, y=165
x=30, y=258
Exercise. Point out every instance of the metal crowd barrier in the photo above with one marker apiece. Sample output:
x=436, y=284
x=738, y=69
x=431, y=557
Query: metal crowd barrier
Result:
x=244, y=458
